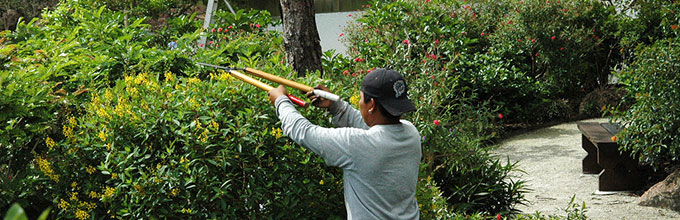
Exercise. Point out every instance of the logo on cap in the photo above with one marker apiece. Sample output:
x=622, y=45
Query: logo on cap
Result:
x=399, y=88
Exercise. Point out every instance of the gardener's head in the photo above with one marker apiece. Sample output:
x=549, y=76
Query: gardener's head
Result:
x=384, y=97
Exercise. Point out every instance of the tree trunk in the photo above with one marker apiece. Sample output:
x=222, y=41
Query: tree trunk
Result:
x=301, y=38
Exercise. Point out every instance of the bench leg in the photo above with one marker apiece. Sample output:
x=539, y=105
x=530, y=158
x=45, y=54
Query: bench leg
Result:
x=589, y=163
x=620, y=172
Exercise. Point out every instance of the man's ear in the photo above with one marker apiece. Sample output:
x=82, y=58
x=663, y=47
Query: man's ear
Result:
x=371, y=105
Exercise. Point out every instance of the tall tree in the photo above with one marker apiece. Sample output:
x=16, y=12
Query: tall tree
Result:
x=301, y=38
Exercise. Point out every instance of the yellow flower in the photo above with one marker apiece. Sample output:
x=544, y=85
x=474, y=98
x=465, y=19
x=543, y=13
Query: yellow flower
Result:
x=74, y=184
x=102, y=135
x=108, y=192
x=102, y=113
x=68, y=131
x=224, y=76
x=276, y=132
x=108, y=96
x=186, y=211
x=132, y=91
x=63, y=204
x=194, y=80
x=74, y=196
x=204, y=136
x=215, y=125
x=114, y=176
x=90, y=169
x=94, y=195
x=80, y=214
x=174, y=192
x=108, y=146
x=198, y=124
x=50, y=143
x=169, y=77
x=355, y=100
x=182, y=160
x=72, y=121
x=90, y=206
x=321, y=182
x=45, y=167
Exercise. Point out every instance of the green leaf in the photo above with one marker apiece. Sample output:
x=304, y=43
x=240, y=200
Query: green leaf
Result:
x=16, y=213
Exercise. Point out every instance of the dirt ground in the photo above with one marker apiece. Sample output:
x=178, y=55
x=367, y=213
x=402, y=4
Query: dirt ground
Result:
x=551, y=158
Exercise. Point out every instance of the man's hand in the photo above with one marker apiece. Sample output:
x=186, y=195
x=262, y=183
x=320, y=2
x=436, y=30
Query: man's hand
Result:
x=318, y=101
x=276, y=92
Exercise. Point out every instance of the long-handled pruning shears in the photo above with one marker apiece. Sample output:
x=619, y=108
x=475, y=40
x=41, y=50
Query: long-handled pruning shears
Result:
x=277, y=79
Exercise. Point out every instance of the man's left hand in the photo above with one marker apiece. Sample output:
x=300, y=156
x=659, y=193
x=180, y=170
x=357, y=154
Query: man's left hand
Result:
x=276, y=92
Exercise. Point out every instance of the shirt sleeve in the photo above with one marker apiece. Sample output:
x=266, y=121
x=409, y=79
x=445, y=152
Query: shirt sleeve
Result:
x=346, y=116
x=332, y=144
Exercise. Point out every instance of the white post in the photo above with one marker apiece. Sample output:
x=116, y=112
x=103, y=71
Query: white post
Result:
x=212, y=6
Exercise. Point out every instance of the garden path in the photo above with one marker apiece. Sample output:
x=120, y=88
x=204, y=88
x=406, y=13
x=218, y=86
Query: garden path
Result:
x=551, y=159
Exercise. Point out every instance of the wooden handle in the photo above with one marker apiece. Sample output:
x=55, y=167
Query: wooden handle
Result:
x=282, y=81
x=265, y=87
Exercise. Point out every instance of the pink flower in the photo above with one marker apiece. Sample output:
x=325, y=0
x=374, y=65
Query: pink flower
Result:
x=552, y=38
x=463, y=33
x=561, y=48
x=500, y=115
x=436, y=41
x=407, y=42
x=349, y=15
x=533, y=40
x=434, y=57
x=212, y=30
x=219, y=30
x=510, y=21
x=366, y=40
x=436, y=122
x=498, y=217
x=341, y=34
x=482, y=34
x=520, y=40
x=536, y=54
x=230, y=27
x=427, y=0
x=358, y=59
x=257, y=25
x=201, y=45
x=345, y=72
x=210, y=42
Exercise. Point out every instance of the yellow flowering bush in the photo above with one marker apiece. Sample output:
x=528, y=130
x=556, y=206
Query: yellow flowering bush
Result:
x=212, y=149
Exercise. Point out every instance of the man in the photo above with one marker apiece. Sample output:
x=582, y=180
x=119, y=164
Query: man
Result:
x=379, y=153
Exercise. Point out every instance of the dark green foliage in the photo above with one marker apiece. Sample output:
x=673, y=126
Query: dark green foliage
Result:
x=652, y=123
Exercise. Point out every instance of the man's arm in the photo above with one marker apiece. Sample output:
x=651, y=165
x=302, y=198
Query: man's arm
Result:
x=334, y=145
x=346, y=116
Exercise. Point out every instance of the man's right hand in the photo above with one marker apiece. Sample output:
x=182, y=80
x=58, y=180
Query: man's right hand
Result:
x=318, y=101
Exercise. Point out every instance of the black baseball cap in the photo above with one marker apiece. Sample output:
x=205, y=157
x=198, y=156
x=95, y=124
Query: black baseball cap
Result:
x=389, y=88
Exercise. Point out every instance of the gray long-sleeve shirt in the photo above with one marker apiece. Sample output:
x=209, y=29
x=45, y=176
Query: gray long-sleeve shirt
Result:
x=380, y=163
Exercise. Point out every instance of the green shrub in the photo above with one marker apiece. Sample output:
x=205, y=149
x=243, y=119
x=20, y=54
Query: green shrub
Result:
x=568, y=45
x=184, y=147
x=651, y=123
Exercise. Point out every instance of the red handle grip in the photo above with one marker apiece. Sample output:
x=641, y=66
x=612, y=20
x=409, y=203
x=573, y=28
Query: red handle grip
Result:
x=297, y=101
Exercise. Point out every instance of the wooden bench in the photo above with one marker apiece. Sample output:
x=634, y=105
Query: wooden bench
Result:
x=617, y=172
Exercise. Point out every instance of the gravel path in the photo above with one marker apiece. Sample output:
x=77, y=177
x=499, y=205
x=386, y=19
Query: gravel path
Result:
x=551, y=158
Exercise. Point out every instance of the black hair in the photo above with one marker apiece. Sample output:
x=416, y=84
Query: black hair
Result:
x=382, y=109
